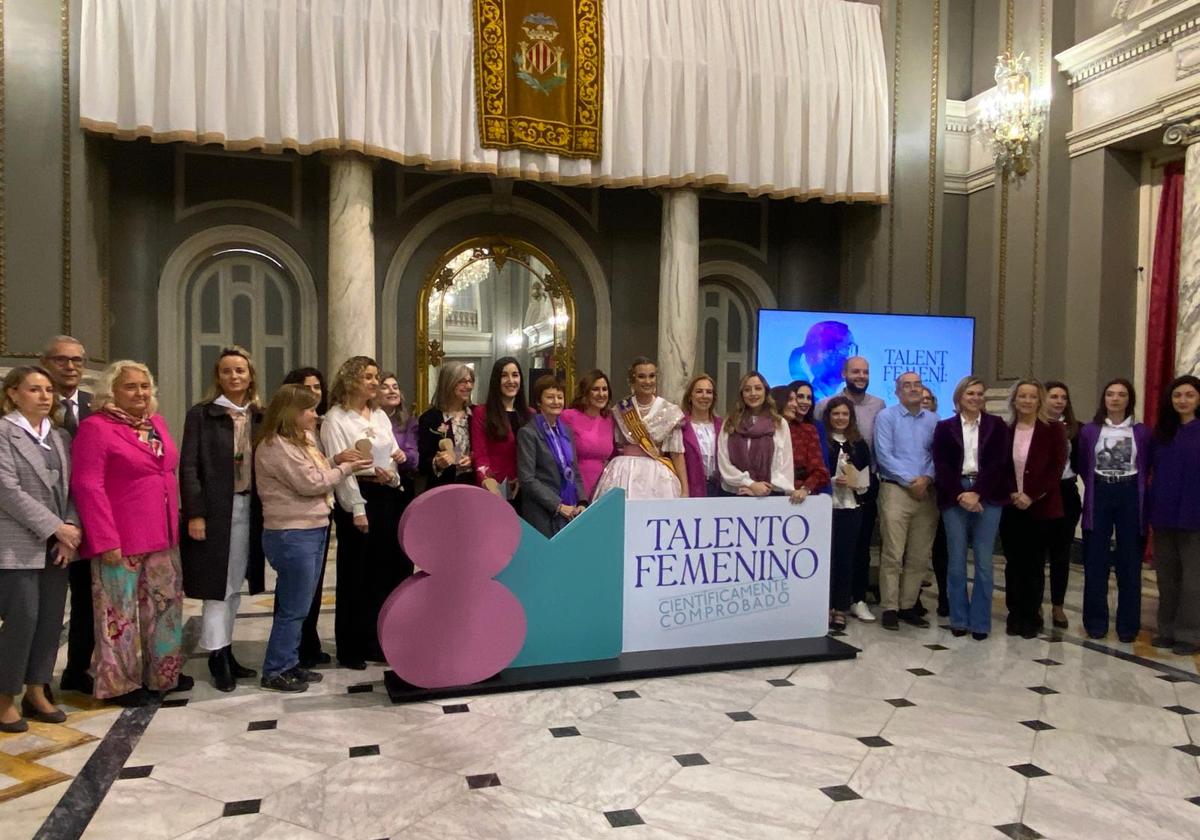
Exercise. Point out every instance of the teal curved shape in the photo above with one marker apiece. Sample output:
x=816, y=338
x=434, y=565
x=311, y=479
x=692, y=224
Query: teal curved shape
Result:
x=572, y=586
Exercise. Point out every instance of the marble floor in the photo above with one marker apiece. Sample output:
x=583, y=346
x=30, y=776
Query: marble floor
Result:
x=924, y=735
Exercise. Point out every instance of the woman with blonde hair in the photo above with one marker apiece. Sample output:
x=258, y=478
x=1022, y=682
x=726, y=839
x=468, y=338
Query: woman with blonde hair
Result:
x=295, y=483
x=444, y=430
x=123, y=478
x=754, y=452
x=222, y=547
x=701, y=428
x=370, y=562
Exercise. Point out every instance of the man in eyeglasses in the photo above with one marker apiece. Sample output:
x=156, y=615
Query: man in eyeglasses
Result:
x=64, y=359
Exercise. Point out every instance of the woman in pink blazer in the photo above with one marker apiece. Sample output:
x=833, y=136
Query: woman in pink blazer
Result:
x=125, y=489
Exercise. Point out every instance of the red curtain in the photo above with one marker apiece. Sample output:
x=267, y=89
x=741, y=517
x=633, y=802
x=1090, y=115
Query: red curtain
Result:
x=1164, y=291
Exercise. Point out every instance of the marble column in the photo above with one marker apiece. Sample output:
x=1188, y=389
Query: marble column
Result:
x=678, y=291
x=1187, y=330
x=351, y=312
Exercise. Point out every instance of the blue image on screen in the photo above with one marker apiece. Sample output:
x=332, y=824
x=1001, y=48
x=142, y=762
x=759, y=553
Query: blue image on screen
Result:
x=814, y=346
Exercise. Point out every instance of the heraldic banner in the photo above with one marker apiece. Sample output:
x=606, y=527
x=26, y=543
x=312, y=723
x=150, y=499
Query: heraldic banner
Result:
x=539, y=74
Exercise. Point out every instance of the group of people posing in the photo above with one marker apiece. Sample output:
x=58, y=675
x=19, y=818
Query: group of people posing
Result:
x=97, y=500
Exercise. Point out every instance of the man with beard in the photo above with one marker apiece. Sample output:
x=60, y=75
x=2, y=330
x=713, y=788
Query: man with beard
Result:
x=856, y=373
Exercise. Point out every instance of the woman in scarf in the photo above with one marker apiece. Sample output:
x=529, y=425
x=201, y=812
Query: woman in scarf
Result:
x=754, y=453
x=552, y=490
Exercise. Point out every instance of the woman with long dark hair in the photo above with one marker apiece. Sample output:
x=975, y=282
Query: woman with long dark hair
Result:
x=1062, y=530
x=1115, y=461
x=809, y=455
x=1174, y=506
x=494, y=427
x=849, y=462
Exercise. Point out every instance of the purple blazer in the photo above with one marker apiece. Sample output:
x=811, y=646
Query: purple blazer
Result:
x=996, y=481
x=696, y=479
x=1089, y=436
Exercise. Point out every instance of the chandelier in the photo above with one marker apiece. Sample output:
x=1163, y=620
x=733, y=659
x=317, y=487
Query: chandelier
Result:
x=1013, y=116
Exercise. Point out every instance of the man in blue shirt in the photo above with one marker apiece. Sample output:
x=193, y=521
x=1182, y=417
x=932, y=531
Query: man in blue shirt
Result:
x=908, y=513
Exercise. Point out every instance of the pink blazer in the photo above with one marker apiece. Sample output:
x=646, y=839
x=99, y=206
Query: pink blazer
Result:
x=127, y=497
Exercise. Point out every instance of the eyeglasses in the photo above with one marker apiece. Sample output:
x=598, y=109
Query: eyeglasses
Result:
x=63, y=361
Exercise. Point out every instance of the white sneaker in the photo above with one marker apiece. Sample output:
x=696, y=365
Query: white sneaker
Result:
x=861, y=611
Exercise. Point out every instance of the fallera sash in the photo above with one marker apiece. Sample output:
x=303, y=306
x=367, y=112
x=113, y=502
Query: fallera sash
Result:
x=637, y=430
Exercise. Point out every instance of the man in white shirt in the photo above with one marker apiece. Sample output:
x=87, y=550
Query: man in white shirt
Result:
x=64, y=359
x=857, y=375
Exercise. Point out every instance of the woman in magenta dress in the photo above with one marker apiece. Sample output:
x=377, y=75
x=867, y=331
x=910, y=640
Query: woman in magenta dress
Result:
x=591, y=422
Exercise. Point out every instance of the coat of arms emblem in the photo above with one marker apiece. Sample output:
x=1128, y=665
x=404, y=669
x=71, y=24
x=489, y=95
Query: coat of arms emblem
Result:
x=540, y=62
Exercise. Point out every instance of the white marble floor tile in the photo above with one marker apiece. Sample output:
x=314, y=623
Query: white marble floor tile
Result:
x=23, y=816
x=1188, y=694
x=594, y=774
x=251, y=827
x=866, y=819
x=660, y=727
x=555, y=707
x=353, y=727
x=969, y=736
x=467, y=744
x=235, y=770
x=804, y=756
x=1003, y=702
x=826, y=711
x=174, y=733
x=1122, y=684
x=149, y=809
x=726, y=694
x=1153, y=769
x=977, y=666
x=1105, y=717
x=862, y=678
x=1067, y=809
x=500, y=813
x=941, y=784
x=364, y=797
x=715, y=802
x=70, y=761
x=903, y=653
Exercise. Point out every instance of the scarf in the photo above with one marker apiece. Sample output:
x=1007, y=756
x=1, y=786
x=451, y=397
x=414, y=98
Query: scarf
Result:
x=240, y=415
x=752, y=445
x=142, y=425
x=564, y=456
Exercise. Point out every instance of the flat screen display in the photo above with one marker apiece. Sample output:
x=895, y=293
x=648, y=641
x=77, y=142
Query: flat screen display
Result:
x=815, y=345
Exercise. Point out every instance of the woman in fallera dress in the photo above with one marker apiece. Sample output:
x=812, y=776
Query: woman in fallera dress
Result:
x=649, y=461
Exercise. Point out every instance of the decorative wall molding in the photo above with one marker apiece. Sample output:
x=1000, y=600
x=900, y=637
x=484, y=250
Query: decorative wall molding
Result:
x=753, y=285
x=183, y=211
x=1157, y=113
x=892, y=197
x=1141, y=33
x=968, y=169
x=935, y=63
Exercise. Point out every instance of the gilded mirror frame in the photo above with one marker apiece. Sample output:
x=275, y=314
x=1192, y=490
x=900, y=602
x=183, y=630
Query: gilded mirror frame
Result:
x=430, y=349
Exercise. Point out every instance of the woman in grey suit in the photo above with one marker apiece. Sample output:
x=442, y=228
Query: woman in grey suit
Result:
x=39, y=535
x=547, y=467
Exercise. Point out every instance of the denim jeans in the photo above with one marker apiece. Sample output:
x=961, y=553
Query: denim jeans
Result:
x=295, y=555
x=979, y=530
x=1114, y=508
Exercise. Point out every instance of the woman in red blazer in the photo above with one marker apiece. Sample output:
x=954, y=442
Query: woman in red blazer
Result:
x=1039, y=452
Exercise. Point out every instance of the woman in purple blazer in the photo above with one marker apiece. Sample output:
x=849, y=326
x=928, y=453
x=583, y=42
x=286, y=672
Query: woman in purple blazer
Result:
x=1114, y=455
x=701, y=430
x=973, y=476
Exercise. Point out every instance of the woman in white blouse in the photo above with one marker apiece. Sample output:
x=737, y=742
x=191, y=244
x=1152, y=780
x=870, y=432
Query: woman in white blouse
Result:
x=700, y=430
x=754, y=449
x=370, y=562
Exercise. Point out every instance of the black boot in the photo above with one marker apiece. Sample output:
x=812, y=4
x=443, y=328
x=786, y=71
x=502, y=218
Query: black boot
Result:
x=218, y=666
x=239, y=671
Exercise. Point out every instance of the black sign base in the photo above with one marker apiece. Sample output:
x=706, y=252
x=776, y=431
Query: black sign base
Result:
x=639, y=665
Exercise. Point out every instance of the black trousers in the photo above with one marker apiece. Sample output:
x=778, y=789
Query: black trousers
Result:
x=868, y=503
x=847, y=532
x=310, y=639
x=81, y=636
x=369, y=567
x=1026, y=548
x=1062, y=537
x=941, y=558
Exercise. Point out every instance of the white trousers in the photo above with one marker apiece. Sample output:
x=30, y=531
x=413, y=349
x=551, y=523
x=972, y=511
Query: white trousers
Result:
x=217, y=622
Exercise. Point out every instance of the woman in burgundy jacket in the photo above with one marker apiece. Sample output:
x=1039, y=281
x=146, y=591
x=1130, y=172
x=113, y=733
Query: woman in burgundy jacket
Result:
x=1039, y=452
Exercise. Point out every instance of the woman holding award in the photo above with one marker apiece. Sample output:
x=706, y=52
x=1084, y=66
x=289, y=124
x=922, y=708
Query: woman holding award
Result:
x=370, y=563
x=649, y=461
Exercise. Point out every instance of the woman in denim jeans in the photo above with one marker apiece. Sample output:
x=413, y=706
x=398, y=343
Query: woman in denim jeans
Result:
x=295, y=483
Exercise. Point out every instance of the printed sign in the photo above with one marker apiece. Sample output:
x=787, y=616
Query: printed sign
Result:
x=722, y=571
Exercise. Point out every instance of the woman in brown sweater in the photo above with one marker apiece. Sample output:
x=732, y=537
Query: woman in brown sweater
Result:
x=295, y=484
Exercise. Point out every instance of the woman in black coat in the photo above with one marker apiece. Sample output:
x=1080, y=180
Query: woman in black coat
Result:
x=444, y=452
x=223, y=543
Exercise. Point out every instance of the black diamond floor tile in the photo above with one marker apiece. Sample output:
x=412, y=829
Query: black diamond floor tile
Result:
x=841, y=793
x=691, y=760
x=564, y=731
x=781, y=683
x=362, y=688
x=626, y=695
x=174, y=703
x=875, y=741
x=138, y=772
x=901, y=703
x=1171, y=678
x=623, y=819
x=1195, y=800
x=937, y=647
x=241, y=807
x=1037, y=725
x=740, y=717
x=1019, y=831
x=1047, y=661
x=1180, y=710
x=1029, y=771
x=1042, y=689
x=1190, y=749
x=483, y=780
x=260, y=725
x=456, y=709
x=364, y=750
x=921, y=672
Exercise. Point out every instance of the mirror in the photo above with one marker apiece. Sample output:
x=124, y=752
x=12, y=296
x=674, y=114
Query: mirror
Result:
x=491, y=297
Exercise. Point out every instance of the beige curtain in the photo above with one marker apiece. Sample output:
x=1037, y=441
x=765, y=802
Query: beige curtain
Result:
x=765, y=97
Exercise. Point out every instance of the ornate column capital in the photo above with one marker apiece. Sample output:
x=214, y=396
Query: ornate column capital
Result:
x=1183, y=133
